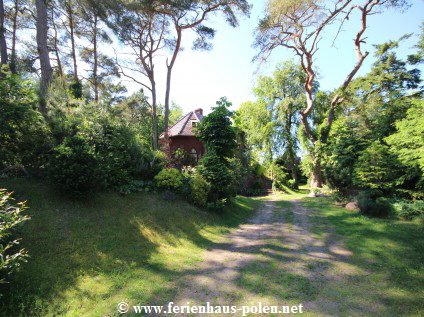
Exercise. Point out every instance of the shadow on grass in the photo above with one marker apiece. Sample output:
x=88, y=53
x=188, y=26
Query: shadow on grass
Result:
x=91, y=250
x=383, y=277
x=87, y=257
x=391, y=251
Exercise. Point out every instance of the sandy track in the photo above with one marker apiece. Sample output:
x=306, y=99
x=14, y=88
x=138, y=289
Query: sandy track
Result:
x=269, y=238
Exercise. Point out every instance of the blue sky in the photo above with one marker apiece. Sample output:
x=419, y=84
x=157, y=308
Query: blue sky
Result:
x=201, y=78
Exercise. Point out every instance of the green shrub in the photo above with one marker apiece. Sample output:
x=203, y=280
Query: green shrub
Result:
x=409, y=210
x=182, y=158
x=11, y=216
x=121, y=156
x=25, y=138
x=377, y=168
x=216, y=172
x=216, y=205
x=199, y=190
x=170, y=179
x=75, y=168
x=371, y=204
x=98, y=153
x=239, y=175
x=341, y=154
x=280, y=177
x=291, y=183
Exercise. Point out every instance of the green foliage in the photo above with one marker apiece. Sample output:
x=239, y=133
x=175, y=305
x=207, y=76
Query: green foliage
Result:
x=216, y=130
x=219, y=136
x=170, y=179
x=306, y=165
x=24, y=135
x=408, y=142
x=271, y=121
x=342, y=152
x=200, y=189
x=135, y=186
x=216, y=205
x=280, y=176
x=75, y=89
x=371, y=204
x=74, y=168
x=182, y=158
x=291, y=183
x=216, y=172
x=239, y=174
x=95, y=153
x=409, y=210
x=254, y=119
x=11, y=217
x=376, y=168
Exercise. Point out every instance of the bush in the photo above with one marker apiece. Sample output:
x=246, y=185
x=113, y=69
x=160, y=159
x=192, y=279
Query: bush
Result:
x=182, y=158
x=98, y=153
x=199, y=190
x=291, y=183
x=216, y=205
x=121, y=156
x=75, y=168
x=409, y=210
x=216, y=172
x=24, y=135
x=11, y=216
x=170, y=179
x=280, y=177
x=239, y=175
x=371, y=204
x=377, y=168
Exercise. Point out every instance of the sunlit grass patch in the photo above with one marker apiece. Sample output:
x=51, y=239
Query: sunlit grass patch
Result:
x=88, y=256
x=391, y=252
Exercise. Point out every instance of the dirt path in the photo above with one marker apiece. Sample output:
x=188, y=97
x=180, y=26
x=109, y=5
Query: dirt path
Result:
x=275, y=259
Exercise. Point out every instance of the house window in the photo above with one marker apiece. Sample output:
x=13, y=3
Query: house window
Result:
x=193, y=124
x=194, y=153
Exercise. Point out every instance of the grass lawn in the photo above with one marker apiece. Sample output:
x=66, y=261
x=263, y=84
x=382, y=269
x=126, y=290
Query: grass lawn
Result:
x=388, y=256
x=86, y=257
x=383, y=276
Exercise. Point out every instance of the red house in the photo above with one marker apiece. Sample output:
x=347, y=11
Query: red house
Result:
x=181, y=134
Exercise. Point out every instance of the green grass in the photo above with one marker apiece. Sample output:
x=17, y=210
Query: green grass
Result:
x=86, y=257
x=391, y=252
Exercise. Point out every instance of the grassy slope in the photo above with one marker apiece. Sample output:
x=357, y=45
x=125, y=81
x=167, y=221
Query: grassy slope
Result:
x=88, y=256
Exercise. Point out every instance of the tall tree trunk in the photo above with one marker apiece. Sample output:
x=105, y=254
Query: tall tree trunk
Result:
x=3, y=45
x=95, y=65
x=316, y=174
x=14, y=28
x=56, y=48
x=154, y=116
x=43, y=51
x=168, y=77
x=71, y=28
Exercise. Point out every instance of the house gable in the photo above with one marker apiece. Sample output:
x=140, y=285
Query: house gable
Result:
x=182, y=134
